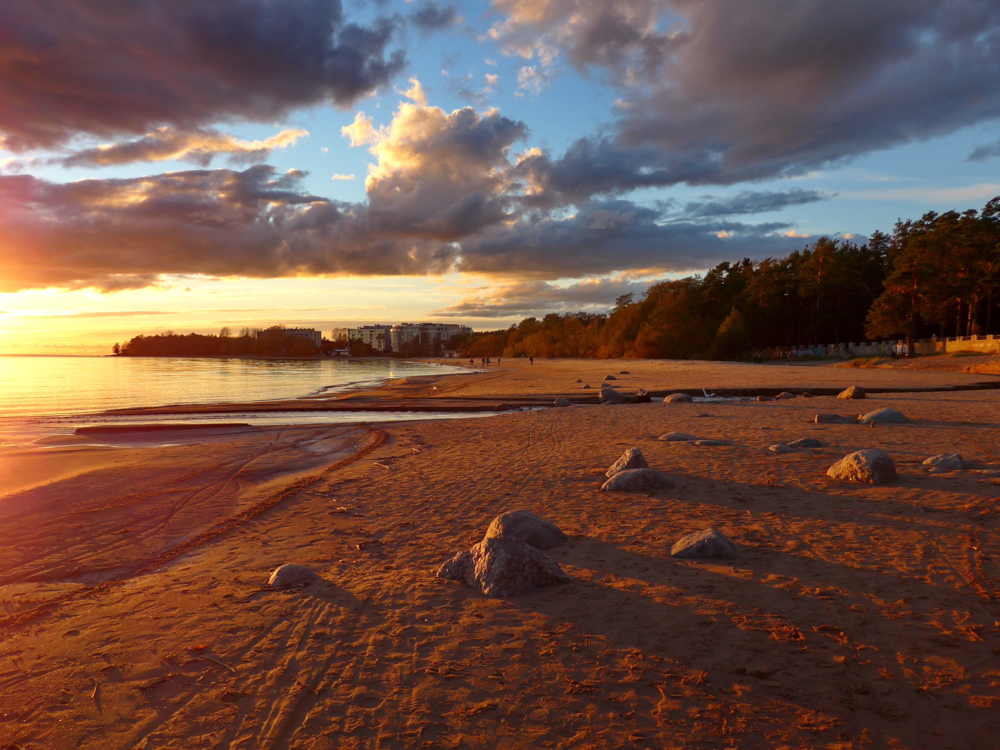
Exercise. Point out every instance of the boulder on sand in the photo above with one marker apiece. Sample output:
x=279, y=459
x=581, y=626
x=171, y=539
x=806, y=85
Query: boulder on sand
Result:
x=502, y=566
x=291, y=575
x=630, y=459
x=711, y=442
x=530, y=528
x=561, y=402
x=710, y=543
x=806, y=443
x=638, y=480
x=578, y=380
x=872, y=466
x=762, y=399
x=854, y=392
x=785, y=395
x=611, y=396
x=884, y=416
x=946, y=462
x=834, y=419
x=623, y=372
x=586, y=387
x=610, y=377
x=677, y=437
x=781, y=448
x=678, y=398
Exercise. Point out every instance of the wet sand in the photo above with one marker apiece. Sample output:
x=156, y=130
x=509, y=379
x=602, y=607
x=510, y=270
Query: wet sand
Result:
x=135, y=613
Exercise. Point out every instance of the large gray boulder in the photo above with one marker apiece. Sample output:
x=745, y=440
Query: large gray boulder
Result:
x=531, y=529
x=678, y=398
x=611, y=396
x=946, y=462
x=290, y=576
x=854, y=392
x=806, y=442
x=708, y=544
x=677, y=437
x=872, y=466
x=638, y=480
x=561, y=402
x=884, y=416
x=630, y=459
x=502, y=566
x=834, y=419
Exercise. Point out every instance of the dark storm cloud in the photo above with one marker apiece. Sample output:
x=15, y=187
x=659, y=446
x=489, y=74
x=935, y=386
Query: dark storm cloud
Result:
x=746, y=91
x=751, y=202
x=433, y=16
x=106, y=68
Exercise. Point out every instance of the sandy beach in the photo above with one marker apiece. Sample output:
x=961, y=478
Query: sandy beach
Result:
x=136, y=613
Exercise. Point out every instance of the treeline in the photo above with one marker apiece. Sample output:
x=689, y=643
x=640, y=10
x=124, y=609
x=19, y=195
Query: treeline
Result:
x=936, y=276
x=250, y=342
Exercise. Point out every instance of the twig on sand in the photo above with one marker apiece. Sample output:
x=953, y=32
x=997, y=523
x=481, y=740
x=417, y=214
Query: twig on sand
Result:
x=216, y=661
x=93, y=694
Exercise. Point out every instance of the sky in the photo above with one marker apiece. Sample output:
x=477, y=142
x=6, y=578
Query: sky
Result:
x=191, y=164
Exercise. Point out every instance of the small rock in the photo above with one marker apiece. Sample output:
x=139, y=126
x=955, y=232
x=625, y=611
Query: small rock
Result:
x=872, y=466
x=578, y=380
x=630, y=459
x=561, y=402
x=638, y=480
x=806, y=443
x=805, y=394
x=502, y=566
x=710, y=543
x=884, y=416
x=781, y=448
x=711, y=442
x=623, y=372
x=785, y=395
x=834, y=419
x=946, y=462
x=530, y=528
x=611, y=396
x=762, y=399
x=703, y=414
x=291, y=575
x=678, y=398
x=586, y=387
x=677, y=437
x=610, y=377
x=854, y=392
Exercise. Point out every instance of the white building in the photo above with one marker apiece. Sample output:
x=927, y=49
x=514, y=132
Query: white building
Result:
x=432, y=335
x=306, y=333
x=378, y=337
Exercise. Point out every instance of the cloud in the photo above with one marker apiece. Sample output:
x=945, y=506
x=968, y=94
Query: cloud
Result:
x=963, y=194
x=106, y=69
x=751, y=202
x=613, y=235
x=433, y=16
x=721, y=92
x=984, y=152
x=536, y=297
x=342, y=177
x=198, y=146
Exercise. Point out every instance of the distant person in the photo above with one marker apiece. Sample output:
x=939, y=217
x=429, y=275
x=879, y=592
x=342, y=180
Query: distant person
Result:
x=498, y=361
x=531, y=359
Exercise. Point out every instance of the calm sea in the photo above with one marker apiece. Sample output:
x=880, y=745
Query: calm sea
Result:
x=52, y=395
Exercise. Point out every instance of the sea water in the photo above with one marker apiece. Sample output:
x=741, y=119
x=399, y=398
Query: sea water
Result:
x=55, y=395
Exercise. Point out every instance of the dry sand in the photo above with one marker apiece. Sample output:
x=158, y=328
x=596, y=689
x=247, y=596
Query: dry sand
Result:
x=135, y=612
